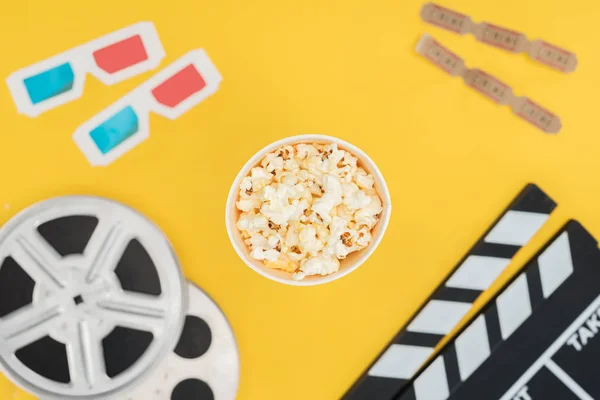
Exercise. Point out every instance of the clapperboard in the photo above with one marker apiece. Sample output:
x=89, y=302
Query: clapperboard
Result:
x=451, y=301
x=538, y=339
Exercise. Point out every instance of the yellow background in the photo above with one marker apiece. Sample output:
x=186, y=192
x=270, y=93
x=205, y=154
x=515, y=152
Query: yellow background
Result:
x=452, y=159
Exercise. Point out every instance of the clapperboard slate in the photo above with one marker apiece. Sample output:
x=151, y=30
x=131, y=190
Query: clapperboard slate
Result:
x=538, y=339
x=412, y=346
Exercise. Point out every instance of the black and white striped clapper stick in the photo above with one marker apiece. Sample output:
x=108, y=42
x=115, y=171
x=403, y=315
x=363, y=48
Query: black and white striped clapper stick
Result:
x=451, y=301
x=538, y=339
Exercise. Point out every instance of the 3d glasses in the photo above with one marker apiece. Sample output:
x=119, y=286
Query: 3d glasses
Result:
x=170, y=93
x=60, y=79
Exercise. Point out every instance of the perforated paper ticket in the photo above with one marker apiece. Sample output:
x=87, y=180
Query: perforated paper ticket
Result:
x=503, y=38
x=488, y=85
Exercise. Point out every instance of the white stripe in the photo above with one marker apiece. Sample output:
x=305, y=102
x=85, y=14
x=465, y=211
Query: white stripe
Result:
x=432, y=383
x=539, y=363
x=514, y=306
x=439, y=317
x=478, y=272
x=555, y=264
x=568, y=381
x=516, y=228
x=400, y=361
x=472, y=348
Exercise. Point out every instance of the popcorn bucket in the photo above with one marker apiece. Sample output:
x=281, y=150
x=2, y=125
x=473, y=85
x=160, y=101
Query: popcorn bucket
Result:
x=347, y=265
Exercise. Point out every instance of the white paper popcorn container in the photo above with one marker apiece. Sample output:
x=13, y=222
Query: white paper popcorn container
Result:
x=353, y=260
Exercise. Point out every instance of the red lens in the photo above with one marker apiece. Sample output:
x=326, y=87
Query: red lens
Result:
x=179, y=87
x=121, y=55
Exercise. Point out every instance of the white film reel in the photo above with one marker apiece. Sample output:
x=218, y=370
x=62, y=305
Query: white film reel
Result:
x=205, y=364
x=92, y=298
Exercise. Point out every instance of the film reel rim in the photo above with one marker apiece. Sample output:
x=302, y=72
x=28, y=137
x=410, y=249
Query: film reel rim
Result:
x=173, y=283
x=193, y=285
x=177, y=368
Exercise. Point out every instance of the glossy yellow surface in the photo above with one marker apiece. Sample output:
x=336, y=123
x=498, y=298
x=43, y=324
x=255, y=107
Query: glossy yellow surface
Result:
x=452, y=159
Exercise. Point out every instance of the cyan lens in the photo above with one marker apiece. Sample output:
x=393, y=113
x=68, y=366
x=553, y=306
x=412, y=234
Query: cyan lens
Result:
x=115, y=130
x=50, y=83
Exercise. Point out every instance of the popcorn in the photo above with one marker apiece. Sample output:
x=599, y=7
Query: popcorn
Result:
x=350, y=161
x=369, y=215
x=349, y=188
x=305, y=150
x=364, y=238
x=363, y=180
x=283, y=263
x=309, y=242
x=260, y=178
x=318, y=266
x=292, y=238
x=258, y=241
x=291, y=165
x=248, y=203
x=246, y=187
x=289, y=179
x=332, y=197
x=276, y=164
x=260, y=254
x=306, y=207
x=252, y=222
x=357, y=200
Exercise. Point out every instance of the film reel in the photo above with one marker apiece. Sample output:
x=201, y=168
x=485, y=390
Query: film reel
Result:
x=92, y=298
x=205, y=364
